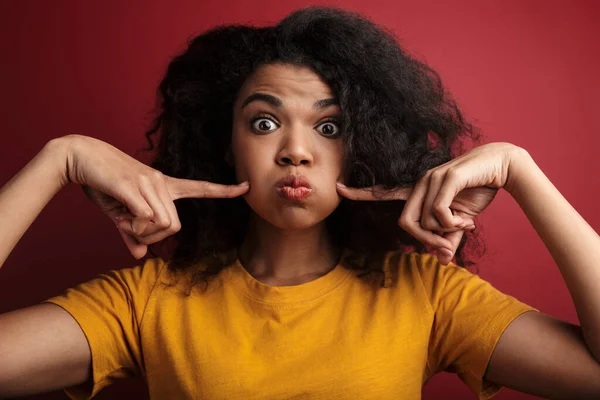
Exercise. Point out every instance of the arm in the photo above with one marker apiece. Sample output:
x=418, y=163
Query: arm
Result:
x=574, y=245
x=537, y=353
x=42, y=347
x=27, y=193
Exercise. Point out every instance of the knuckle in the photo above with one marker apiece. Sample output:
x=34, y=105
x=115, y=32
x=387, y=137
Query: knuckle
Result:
x=163, y=223
x=157, y=177
x=145, y=178
x=175, y=227
x=146, y=213
x=439, y=209
x=427, y=224
x=122, y=225
x=437, y=174
x=156, y=174
x=430, y=224
x=453, y=173
x=404, y=222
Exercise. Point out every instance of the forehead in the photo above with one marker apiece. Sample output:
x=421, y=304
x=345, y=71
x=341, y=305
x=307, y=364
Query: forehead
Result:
x=286, y=81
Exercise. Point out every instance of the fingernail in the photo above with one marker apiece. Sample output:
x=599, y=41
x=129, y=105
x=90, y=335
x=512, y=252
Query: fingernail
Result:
x=245, y=183
x=470, y=227
x=340, y=184
x=446, y=252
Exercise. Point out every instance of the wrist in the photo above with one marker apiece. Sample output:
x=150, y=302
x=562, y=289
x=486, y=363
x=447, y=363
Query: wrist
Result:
x=521, y=163
x=57, y=151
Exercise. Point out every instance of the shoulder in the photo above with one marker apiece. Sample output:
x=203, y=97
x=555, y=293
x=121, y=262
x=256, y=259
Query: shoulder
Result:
x=425, y=265
x=127, y=286
x=438, y=281
x=139, y=279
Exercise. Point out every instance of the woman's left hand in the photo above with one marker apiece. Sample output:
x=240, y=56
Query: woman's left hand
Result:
x=444, y=202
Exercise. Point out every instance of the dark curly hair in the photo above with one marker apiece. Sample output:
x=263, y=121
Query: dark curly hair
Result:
x=398, y=121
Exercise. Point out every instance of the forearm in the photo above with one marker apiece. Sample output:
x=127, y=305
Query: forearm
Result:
x=27, y=193
x=572, y=242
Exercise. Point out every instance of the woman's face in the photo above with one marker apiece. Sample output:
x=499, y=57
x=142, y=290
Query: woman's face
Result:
x=287, y=122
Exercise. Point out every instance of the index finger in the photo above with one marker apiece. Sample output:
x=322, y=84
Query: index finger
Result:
x=374, y=193
x=189, y=188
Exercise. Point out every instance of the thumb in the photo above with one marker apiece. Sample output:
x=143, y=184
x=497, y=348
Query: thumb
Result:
x=136, y=249
x=454, y=238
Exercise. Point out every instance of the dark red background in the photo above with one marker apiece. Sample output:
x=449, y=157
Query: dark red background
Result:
x=524, y=71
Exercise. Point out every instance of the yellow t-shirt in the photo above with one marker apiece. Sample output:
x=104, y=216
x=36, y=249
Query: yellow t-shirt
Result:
x=336, y=337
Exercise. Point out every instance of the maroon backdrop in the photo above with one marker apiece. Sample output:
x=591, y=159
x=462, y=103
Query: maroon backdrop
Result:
x=524, y=71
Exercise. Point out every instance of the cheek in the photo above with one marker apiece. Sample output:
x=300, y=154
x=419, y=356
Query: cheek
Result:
x=329, y=198
x=253, y=165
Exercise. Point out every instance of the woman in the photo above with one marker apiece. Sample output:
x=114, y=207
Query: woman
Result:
x=346, y=149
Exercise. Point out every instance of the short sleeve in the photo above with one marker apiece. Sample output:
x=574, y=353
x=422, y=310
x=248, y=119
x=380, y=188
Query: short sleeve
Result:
x=470, y=316
x=109, y=310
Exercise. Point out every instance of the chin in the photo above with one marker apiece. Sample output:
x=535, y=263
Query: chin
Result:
x=293, y=216
x=293, y=225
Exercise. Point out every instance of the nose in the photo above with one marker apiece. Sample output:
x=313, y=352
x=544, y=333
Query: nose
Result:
x=295, y=148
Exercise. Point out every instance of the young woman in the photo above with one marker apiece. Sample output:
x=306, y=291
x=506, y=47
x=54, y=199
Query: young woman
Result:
x=310, y=179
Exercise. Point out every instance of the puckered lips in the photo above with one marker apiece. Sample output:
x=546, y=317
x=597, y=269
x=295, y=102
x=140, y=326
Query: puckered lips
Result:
x=294, y=187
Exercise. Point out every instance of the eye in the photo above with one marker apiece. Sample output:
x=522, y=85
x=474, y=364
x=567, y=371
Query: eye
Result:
x=264, y=124
x=329, y=128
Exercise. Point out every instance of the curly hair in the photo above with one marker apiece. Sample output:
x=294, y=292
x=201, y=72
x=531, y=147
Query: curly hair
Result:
x=398, y=121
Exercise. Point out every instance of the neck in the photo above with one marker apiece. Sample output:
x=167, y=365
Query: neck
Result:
x=275, y=255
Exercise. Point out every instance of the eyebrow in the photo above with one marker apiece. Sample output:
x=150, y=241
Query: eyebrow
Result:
x=276, y=102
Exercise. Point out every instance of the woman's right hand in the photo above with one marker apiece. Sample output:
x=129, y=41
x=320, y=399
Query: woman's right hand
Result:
x=137, y=198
